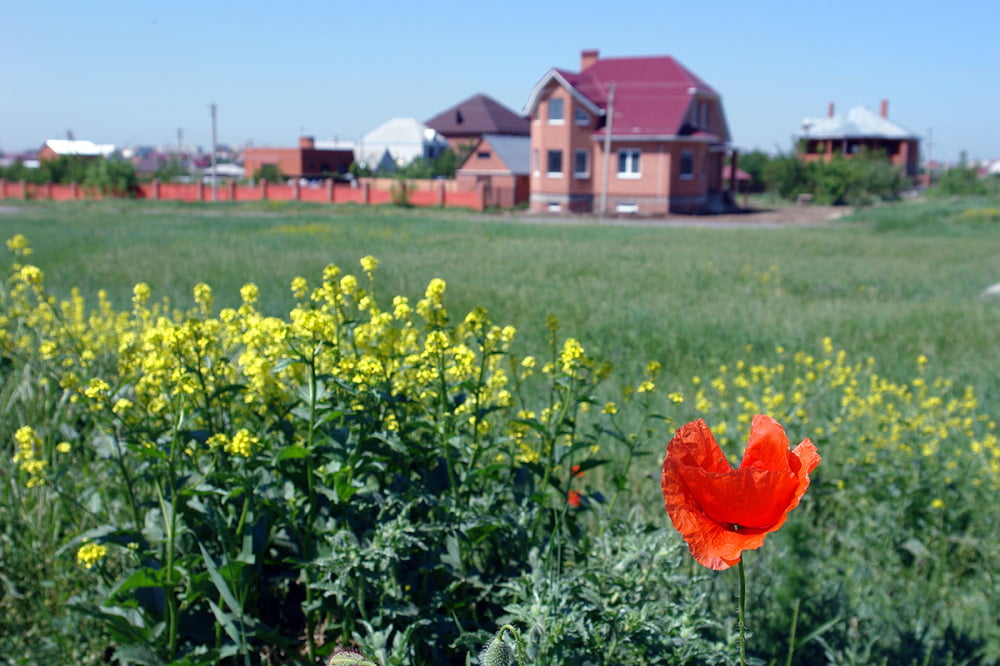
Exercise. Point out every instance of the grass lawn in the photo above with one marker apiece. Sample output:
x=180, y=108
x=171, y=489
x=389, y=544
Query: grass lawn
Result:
x=691, y=298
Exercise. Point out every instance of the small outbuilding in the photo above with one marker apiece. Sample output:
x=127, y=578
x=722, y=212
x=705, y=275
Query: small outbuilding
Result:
x=502, y=162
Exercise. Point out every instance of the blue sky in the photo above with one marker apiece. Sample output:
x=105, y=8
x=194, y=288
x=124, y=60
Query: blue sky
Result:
x=133, y=73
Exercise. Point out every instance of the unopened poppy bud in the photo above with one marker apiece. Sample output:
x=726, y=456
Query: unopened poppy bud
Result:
x=497, y=653
x=349, y=658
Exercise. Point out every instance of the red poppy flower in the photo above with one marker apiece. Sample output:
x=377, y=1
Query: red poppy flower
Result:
x=573, y=498
x=721, y=511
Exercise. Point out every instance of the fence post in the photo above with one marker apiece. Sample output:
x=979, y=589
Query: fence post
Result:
x=329, y=190
x=24, y=189
x=440, y=194
x=232, y=190
x=366, y=192
x=156, y=189
x=200, y=191
x=295, y=190
x=3, y=188
x=263, y=190
x=75, y=189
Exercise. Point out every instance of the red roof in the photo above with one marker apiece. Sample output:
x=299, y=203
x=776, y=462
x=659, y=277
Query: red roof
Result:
x=479, y=114
x=652, y=94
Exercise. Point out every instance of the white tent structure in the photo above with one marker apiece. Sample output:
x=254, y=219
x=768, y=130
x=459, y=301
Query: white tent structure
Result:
x=399, y=141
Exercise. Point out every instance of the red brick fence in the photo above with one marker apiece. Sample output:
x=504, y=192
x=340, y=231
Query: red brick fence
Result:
x=379, y=191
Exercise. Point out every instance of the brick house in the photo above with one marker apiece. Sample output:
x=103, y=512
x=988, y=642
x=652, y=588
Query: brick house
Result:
x=628, y=135
x=502, y=162
x=306, y=161
x=464, y=124
x=858, y=131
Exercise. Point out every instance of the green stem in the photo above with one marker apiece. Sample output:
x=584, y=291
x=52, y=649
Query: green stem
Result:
x=791, y=639
x=310, y=511
x=743, y=599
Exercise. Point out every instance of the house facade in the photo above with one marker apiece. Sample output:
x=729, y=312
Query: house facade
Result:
x=859, y=131
x=305, y=161
x=502, y=163
x=639, y=135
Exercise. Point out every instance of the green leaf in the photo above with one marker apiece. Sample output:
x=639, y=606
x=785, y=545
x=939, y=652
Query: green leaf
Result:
x=220, y=582
x=293, y=452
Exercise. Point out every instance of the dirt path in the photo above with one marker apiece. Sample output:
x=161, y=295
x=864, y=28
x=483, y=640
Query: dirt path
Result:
x=780, y=216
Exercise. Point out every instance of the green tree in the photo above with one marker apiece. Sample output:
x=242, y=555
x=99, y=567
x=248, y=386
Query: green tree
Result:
x=173, y=168
x=269, y=173
x=754, y=164
x=960, y=180
x=112, y=176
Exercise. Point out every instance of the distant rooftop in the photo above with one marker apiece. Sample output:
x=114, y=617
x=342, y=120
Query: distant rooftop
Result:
x=80, y=147
x=858, y=123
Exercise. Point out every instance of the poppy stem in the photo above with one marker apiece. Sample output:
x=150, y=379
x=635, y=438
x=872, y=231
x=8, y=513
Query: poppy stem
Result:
x=743, y=599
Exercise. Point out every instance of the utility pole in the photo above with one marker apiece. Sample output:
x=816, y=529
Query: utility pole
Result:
x=215, y=178
x=608, y=126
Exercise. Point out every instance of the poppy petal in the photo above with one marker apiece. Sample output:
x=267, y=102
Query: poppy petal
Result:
x=719, y=511
x=767, y=447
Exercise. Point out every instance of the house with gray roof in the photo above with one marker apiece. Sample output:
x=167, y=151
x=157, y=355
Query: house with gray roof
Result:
x=856, y=132
x=502, y=164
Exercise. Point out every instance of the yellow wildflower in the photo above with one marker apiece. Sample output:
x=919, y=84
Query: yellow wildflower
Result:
x=90, y=554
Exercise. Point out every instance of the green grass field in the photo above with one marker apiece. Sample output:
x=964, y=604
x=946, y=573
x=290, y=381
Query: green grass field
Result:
x=862, y=334
x=691, y=298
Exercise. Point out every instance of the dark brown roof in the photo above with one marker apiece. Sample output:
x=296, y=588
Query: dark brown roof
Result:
x=479, y=114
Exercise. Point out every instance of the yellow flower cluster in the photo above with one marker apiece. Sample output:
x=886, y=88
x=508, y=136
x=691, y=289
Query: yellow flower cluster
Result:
x=90, y=554
x=28, y=456
x=154, y=364
x=916, y=419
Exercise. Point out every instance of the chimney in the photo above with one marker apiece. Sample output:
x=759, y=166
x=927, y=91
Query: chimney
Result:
x=306, y=143
x=829, y=110
x=885, y=108
x=587, y=58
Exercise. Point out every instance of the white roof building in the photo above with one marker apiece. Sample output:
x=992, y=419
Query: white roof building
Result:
x=858, y=122
x=79, y=147
x=402, y=140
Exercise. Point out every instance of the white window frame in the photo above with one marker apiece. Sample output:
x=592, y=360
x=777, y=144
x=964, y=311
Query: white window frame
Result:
x=627, y=208
x=633, y=163
x=581, y=117
x=586, y=163
x=548, y=163
x=561, y=105
x=680, y=165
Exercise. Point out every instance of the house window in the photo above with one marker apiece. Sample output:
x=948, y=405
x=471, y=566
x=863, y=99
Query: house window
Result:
x=628, y=163
x=581, y=117
x=703, y=115
x=535, y=162
x=554, y=207
x=556, y=112
x=581, y=163
x=554, y=164
x=627, y=207
x=483, y=155
x=687, y=164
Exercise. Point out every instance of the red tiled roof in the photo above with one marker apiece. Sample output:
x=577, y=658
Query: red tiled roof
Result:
x=479, y=114
x=652, y=94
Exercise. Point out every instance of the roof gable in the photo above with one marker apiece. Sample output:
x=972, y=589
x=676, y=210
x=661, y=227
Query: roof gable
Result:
x=652, y=94
x=479, y=114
